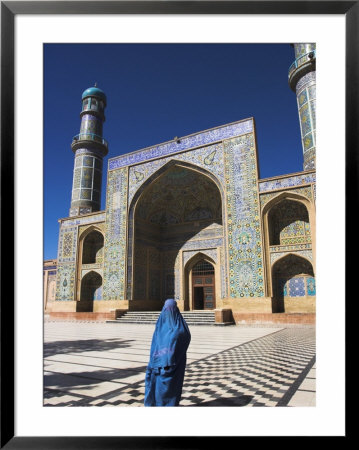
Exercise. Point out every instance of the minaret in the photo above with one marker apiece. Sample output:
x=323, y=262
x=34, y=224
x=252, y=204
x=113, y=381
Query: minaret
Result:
x=89, y=148
x=301, y=79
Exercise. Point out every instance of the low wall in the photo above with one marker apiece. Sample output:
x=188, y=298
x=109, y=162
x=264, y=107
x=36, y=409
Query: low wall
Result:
x=279, y=318
x=246, y=304
x=299, y=305
x=83, y=316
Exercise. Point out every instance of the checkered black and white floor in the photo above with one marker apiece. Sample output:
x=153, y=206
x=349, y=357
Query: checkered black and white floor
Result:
x=104, y=364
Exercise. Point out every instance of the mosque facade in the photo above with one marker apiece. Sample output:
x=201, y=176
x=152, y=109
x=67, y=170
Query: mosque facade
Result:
x=190, y=219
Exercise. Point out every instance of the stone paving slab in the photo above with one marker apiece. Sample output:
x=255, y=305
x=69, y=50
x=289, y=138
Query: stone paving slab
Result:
x=99, y=364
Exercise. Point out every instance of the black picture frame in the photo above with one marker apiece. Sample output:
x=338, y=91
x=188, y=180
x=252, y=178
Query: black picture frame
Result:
x=9, y=9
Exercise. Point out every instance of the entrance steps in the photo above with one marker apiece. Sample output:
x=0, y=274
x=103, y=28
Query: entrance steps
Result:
x=150, y=317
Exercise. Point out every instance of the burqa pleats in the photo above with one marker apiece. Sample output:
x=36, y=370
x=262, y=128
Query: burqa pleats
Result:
x=165, y=370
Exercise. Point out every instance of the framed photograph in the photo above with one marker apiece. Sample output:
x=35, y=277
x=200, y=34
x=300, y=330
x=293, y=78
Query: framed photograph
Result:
x=43, y=46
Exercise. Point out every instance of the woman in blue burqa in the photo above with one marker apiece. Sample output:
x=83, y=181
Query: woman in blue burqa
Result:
x=165, y=370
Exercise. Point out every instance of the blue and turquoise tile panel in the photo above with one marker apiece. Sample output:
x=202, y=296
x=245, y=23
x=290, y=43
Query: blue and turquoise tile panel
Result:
x=246, y=277
x=297, y=287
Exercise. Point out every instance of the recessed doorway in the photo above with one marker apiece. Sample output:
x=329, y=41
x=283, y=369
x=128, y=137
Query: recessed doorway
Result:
x=203, y=286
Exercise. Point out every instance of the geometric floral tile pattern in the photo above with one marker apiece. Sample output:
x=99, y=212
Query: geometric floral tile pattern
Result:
x=67, y=249
x=187, y=255
x=209, y=158
x=290, y=181
x=306, y=99
x=244, y=234
x=289, y=223
x=195, y=140
x=298, y=286
x=67, y=244
x=175, y=200
x=115, y=238
x=100, y=217
x=308, y=78
x=307, y=254
x=311, y=286
x=65, y=281
x=304, y=191
x=66, y=267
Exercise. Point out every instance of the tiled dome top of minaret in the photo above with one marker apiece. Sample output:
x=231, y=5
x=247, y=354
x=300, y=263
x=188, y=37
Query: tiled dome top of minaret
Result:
x=94, y=92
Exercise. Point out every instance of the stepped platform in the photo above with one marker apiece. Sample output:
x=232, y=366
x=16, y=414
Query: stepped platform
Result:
x=150, y=317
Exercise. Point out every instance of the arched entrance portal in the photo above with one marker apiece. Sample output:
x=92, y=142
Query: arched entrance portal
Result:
x=203, y=286
x=178, y=210
x=293, y=281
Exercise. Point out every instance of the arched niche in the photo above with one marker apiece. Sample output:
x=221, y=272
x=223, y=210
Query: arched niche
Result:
x=91, y=290
x=288, y=220
x=92, y=247
x=288, y=223
x=292, y=277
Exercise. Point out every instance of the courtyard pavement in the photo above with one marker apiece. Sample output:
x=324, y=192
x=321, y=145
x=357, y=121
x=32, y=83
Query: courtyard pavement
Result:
x=104, y=364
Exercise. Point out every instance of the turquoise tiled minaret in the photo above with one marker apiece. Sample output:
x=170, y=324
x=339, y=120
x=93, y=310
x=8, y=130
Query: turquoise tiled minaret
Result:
x=89, y=147
x=302, y=81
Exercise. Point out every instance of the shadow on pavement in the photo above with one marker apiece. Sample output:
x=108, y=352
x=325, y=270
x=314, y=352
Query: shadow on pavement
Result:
x=85, y=345
x=84, y=380
x=243, y=400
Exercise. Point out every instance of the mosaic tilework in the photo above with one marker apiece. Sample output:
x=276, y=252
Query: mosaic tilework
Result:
x=304, y=253
x=187, y=255
x=290, y=276
x=305, y=191
x=296, y=233
x=91, y=124
x=91, y=152
x=65, y=282
x=186, y=143
x=84, y=220
x=297, y=287
x=223, y=267
x=311, y=286
x=67, y=244
x=100, y=226
x=306, y=99
x=87, y=179
x=244, y=233
x=210, y=159
x=308, y=78
x=199, y=244
x=289, y=224
x=177, y=196
x=180, y=195
x=303, y=49
x=287, y=248
x=115, y=238
x=290, y=181
x=66, y=266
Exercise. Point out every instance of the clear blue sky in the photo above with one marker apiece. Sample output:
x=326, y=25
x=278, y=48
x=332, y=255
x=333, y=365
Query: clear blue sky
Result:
x=158, y=91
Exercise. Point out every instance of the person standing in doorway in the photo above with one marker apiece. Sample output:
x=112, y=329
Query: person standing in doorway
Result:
x=167, y=364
